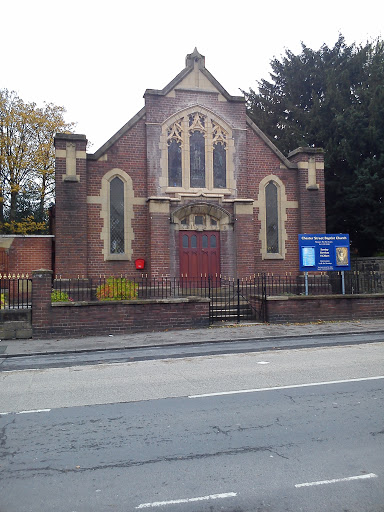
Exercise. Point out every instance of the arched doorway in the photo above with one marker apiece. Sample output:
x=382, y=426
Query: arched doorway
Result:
x=199, y=228
x=199, y=253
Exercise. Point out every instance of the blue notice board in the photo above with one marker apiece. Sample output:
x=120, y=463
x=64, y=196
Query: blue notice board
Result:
x=324, y=252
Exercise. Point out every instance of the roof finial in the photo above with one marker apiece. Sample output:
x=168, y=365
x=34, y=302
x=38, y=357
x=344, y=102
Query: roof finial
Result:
x=194, y=57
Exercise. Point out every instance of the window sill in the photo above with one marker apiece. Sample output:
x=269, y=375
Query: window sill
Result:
x=71, y=177
x=197, y=191
x=272, y=256
x=117, y=257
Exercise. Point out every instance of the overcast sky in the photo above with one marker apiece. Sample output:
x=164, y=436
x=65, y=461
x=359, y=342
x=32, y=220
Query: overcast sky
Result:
x=97, y=58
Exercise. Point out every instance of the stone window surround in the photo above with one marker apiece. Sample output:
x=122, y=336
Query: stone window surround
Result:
x=128, y=214
x=230, y=181
x=283, y=205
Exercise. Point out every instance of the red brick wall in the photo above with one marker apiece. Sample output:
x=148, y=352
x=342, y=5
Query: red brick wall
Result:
x=119, y=318
x=129, y=155
x=245, y=243
x=261, y=162
x=28, y=253
x=160, y=245
x=86, y=319
x=327, y=308
x=41, y=300
x=312, y=202
x=137, y=152
x=71, y=213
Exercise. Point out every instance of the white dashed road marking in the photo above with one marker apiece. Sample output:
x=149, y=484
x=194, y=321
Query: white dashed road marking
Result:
x=25, y=412
x=187, y=500
x=256, y=390
x=337, y=480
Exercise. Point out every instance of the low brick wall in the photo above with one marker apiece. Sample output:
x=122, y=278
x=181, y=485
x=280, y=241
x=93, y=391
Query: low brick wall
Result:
x=110, y=317
x=310, y=308
x=118, y=317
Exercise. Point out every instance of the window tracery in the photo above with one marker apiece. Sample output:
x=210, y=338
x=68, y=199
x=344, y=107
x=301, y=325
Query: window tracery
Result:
x=199, y=222
x=197, y=152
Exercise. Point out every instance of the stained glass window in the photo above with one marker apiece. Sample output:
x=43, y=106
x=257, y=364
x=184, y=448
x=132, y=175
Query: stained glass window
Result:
x=197, y=159
x=174, y=164
x=116, y=216
x=219, y=166
x=272, y=218
x=200, y=139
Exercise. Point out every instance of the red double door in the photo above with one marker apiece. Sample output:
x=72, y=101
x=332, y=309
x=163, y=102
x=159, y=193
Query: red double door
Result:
x=199, y=253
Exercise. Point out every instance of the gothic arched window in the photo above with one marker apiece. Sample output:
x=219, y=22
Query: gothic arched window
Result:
x=219, y=166
x=116, y=216
x=197, y=160
x=197, y=152
x=174, y=164
x=272, y=217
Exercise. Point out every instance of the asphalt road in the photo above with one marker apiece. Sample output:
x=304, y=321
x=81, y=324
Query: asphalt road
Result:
x=90, y=357
x=198, y=434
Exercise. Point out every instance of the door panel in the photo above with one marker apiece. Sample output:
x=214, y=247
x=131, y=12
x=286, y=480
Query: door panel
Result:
x=199, y=253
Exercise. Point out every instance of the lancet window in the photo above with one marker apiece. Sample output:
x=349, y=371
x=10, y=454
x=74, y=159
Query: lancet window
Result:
x=117, y=231
x=272, y=218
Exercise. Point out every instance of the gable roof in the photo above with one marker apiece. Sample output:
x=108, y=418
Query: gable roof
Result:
x=270, y=144
x=104, y=148
x=195, y=76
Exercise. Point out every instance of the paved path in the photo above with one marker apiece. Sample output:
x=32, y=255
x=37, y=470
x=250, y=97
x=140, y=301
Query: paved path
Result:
x=217, y=332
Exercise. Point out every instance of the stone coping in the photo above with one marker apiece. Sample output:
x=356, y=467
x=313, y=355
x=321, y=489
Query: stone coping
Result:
x=132, y=302
x=327, y=297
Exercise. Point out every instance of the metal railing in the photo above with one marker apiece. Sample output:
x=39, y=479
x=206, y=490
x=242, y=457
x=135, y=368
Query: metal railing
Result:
x=123, y=288
x=230, y=298
x=15, y=291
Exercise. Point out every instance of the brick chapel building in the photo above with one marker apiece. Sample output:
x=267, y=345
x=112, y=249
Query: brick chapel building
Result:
x=190, y=185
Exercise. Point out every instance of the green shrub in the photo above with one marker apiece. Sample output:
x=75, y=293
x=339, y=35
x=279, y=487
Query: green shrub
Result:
x=3, y=302
x=117, y=289
x=59, y=296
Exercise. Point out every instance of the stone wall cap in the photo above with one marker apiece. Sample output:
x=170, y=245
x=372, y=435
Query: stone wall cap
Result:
x=159, y=199
x=306, y=150
x=70, y=136
x=134, y=302
x=239, y=200
x=270, y=144
x=327, y=297
x=27, y=236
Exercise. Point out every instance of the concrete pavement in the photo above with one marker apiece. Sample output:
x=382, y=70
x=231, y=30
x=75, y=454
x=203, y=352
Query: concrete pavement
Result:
x=217, y=332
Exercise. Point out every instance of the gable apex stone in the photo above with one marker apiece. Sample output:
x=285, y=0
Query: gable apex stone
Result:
x=195, y=64
x=194, y=57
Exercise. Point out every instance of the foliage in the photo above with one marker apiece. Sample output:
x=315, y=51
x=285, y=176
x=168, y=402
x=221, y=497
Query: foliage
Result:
x=59, y=296
x=24, y=227
x=334, y=98
x=3, y=302
x=117, y=289
x=27, y=156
